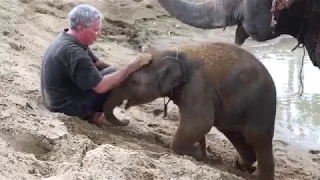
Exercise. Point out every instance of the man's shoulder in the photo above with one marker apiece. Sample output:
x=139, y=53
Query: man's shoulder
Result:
x=68, y=44
x=66, y=48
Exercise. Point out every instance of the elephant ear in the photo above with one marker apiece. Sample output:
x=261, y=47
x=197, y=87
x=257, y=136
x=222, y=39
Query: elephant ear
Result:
x=173, y=73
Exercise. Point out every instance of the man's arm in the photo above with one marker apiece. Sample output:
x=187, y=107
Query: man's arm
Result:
x=92, y=55
x=100, y=64
x=84, y=73
x=109, y=81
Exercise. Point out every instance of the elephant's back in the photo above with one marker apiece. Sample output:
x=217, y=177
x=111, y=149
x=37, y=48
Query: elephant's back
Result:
x=221, y=60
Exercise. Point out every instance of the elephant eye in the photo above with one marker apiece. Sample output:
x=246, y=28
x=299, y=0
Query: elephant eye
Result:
x=134, y=81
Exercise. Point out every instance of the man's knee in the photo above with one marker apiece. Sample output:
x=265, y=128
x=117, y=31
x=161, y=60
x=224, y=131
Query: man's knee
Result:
x=108, y=70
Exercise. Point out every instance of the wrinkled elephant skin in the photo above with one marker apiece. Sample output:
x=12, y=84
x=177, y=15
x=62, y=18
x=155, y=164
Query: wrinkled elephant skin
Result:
x=254, y=19
x=214, y=84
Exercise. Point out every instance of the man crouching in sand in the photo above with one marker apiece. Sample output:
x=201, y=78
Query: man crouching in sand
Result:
x=73, y=80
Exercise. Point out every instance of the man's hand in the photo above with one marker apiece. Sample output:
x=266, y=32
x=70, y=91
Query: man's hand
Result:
x=140, y=61
x=147, y=48
x=100, y=64
x=144, y=59
x=114, y=79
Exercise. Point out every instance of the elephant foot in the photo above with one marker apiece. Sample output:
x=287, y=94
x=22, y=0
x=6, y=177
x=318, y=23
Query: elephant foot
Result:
x=117, y=122
x=198, y=152
x=262, y=144
x=124, y=122
x=189, y=138
x=257, y=174
x=195, y=151
x=242, y=165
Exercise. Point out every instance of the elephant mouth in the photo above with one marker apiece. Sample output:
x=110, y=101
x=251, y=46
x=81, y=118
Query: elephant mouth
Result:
x=128, y=105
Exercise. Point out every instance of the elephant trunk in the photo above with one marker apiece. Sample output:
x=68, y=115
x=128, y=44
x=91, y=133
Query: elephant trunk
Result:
x=301, y=22
x=205, y=15
x=312, y=35
x=311, y=40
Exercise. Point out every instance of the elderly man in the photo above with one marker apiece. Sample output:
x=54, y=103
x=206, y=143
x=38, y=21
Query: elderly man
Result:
x=73, y=80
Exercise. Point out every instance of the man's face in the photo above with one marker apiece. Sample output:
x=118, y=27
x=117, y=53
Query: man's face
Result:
x=90, y=34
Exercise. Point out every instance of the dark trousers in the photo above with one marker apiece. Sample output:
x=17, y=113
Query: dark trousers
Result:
x=96, y=101
x=93, y=101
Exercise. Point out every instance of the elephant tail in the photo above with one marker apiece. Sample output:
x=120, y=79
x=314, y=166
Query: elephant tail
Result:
x=211, y=14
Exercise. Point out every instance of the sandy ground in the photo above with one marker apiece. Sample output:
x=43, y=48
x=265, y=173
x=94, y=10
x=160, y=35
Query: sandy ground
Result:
x=36, y=144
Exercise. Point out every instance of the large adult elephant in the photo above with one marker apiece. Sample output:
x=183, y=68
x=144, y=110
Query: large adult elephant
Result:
x=254, y=19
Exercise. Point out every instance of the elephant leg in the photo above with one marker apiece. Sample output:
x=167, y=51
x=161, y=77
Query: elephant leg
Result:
x=115, y=121
x=246, y=152
x=108, y=107
x=262, y=145
x=241, y=35
x=189, y=139
x=257, y=20
x=203, y=146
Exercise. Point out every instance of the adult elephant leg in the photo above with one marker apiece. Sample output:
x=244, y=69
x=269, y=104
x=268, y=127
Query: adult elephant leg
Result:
x=241, y=35
x=257, y=17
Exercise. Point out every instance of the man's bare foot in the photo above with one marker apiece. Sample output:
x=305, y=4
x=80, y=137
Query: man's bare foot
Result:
x=97, y=118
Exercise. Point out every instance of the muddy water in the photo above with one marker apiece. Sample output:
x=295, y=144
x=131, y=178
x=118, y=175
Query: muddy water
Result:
x=298, y=117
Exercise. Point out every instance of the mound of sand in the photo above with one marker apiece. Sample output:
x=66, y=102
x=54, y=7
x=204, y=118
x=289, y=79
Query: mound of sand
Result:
x=36, y=144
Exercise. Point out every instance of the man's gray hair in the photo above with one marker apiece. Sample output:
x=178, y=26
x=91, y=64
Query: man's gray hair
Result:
x=83, y=14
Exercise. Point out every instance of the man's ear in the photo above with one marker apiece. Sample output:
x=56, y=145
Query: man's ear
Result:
x=80, y=28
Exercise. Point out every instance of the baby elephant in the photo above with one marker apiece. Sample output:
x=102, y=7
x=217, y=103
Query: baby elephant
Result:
x=215, y=84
